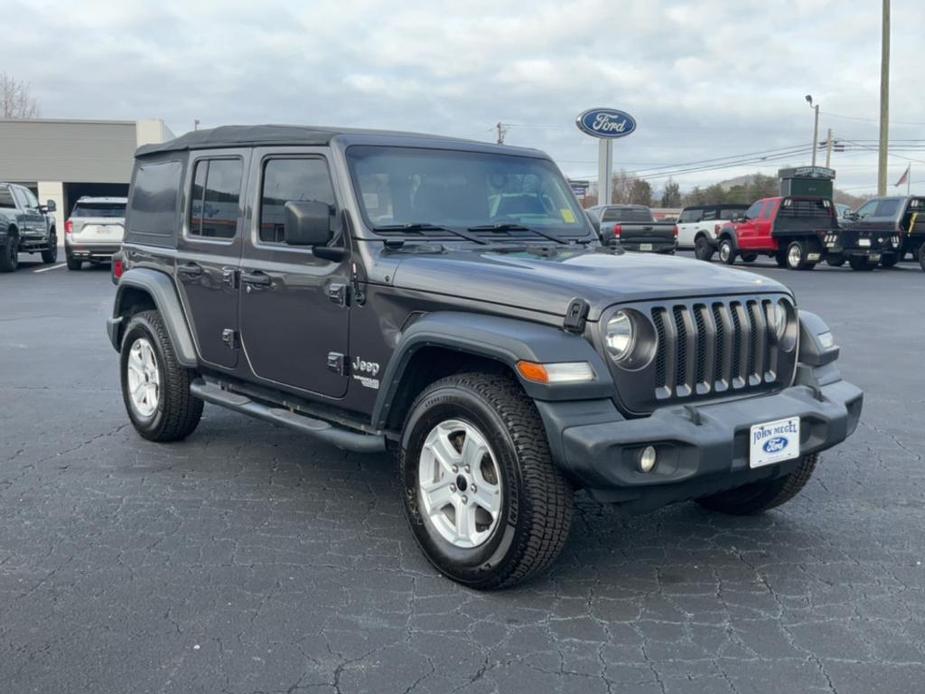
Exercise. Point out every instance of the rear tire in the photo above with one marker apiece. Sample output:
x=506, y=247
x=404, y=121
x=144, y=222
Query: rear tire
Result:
x=9, y=255
x=835, y=260
x=781, y=259
x=796, y=256
x=861, y=263
x=888, y=260
x=155, y=386
x=702, y=249
x=451, y=523
x=50, y=254
x=921, y=256
x=762, y=496
x=727, y=252
x=73, y=263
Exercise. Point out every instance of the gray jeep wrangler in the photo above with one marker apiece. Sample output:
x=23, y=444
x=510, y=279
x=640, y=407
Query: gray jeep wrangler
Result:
x=449, y=300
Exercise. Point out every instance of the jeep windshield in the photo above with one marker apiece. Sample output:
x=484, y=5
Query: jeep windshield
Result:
x=484, y=195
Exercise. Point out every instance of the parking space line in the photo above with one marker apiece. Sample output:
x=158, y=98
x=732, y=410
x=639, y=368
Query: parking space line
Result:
x=53, y=267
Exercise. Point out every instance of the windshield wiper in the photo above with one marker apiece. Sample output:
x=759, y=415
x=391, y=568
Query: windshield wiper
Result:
x=413, y=227
x=517, y=227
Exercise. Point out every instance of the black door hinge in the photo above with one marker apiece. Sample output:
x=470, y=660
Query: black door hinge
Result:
x=337, y=363
x=575, y=316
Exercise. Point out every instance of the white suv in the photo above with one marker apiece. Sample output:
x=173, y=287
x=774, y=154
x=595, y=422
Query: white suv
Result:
x=94, y=231
x=699, y=224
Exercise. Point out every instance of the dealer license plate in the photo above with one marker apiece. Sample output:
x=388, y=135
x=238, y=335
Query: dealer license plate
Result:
x=864, y=243
x=645, y=246
x=774, y=442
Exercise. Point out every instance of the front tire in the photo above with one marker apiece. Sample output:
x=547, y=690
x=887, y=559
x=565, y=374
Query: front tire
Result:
x=727, y=252
x=921, y=256
x=155, y=386
x=888, y=260
x=9, y=255
x=762, y=496
x=750, y=258
x=482, y=430
x=50, y=254
x=702, y=249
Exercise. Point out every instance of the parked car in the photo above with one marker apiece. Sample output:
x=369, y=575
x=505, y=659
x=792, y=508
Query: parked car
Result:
x=634, y=227
x=94, y=231
x=901, y=219
x=699, y=225
x=797, y=232
x=363, y=288
x=25, y=227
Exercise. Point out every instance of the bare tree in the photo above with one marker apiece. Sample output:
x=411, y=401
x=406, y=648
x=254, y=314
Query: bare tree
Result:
x=16, y=100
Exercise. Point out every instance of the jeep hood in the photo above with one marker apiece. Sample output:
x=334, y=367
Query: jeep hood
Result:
x=535, y=282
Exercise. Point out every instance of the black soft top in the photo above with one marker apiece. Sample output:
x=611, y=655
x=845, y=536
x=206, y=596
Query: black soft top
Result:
x=269, y=135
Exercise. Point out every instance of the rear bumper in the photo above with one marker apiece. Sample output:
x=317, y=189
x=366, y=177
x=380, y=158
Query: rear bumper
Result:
x=651, y=245
x=701, y=450
x=92, y=251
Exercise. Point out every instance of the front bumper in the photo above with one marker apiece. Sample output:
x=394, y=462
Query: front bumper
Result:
x=701, y=449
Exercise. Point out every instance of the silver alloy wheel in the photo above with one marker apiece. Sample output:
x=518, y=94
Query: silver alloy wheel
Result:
x=725, y=250
x=144, y=380
x=459, y=484
x=794, y=256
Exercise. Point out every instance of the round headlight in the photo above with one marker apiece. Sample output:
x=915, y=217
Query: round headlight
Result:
x=777, y=317
x=620, y=336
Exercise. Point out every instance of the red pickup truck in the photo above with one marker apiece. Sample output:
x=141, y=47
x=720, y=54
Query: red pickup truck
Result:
x=791, y=230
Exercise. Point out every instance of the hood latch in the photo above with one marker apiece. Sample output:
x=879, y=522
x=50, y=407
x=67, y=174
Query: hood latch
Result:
x=576, y=315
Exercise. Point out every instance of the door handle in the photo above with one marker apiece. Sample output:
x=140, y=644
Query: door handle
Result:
x=190, y=270
x=256, y=278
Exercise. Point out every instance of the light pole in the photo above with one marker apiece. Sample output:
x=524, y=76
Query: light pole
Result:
x=815, y=107
x=884, y=99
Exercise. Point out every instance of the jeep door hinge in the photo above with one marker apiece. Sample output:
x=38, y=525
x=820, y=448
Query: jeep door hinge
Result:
x=230, y=338
x=337, y=363
x=337, y=293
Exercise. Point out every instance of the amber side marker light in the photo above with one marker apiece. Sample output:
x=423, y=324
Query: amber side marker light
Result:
x=558, y=373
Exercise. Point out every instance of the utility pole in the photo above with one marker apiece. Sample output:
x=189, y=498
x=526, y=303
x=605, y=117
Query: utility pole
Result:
x=809, y=100
x=196, y=124
x=884, y=99
x=502, y=131
x=828, y=150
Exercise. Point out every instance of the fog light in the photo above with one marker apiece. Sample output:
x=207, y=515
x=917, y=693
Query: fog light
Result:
x=647, y=459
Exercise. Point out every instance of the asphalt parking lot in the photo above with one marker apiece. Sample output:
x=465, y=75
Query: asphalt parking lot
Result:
x=251, y=559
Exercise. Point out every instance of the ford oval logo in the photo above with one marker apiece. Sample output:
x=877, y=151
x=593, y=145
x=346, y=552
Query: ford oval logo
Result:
x=775, y=445
x=606, y=123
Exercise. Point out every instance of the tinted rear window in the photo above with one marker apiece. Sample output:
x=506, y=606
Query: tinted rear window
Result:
x=154, y=199
x=98, y=209
x=6, y=199
x=628, y=214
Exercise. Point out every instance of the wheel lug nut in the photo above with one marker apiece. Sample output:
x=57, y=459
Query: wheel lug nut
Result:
x=452, y=487
x=465, y=499
x=473, y=488
x=467, y=468
x=456, y=468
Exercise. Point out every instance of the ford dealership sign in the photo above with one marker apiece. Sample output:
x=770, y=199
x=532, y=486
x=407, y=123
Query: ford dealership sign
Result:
x=606, y=123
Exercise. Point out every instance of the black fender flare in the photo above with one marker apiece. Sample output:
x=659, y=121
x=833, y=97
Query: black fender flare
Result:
x=159, y=286
x=505, y=340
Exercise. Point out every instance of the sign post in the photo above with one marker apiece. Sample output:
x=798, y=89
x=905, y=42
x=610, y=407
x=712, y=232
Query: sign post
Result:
x=606, y=124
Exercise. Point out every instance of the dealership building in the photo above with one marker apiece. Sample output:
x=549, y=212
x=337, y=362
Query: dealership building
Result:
x=62, y=160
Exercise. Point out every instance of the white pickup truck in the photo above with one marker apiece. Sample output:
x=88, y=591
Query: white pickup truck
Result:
x=699, y=224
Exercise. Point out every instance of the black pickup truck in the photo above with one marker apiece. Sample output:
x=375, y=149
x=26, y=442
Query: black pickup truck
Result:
x=897, y=221
x=25, y=227
x=448, y=301
x=634, y=228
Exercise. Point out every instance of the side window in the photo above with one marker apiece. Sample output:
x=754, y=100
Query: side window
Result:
x=768, y=210
x=887, y=208
x=214, y=198
x=753, y=211
x=6, y=199
x=285, y=180
x=19, y=196
x=155, y=196
x=867, y=209
x=689, y=216
x=709, y=214
x=31, y=200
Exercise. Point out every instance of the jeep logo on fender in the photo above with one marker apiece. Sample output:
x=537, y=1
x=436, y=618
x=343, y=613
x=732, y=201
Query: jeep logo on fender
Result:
x=775, y=445
x=606, y=123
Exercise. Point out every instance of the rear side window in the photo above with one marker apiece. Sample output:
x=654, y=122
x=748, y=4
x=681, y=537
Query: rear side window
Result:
x=98, y=209
x=214, y=198
x=286, y=180
x=690, y=216
x=730, y=212
x=709, y=214
x=155, y=196
x=6, y=199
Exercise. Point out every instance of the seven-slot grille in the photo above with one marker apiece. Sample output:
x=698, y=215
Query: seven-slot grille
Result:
x=715, y=347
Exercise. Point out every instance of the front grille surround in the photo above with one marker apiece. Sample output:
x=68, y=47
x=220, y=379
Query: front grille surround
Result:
x=709, y=348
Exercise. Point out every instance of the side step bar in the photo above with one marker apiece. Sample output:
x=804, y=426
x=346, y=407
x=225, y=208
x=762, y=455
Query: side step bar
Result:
x=324, y=431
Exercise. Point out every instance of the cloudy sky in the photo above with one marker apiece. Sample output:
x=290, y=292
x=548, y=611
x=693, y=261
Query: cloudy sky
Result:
x=706, y=79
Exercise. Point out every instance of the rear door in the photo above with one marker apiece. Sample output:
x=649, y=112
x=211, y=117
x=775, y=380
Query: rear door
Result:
x=294, y=315
x=209, y=252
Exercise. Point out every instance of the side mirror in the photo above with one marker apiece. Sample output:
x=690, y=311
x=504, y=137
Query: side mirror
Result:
x=50, y=206
x=853, y=216
x=308, y=223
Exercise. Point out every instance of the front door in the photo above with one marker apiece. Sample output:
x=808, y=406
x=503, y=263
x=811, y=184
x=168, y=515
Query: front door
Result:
x=32, y=220
x=294, y=315
x=209, y=253
x=747, y=231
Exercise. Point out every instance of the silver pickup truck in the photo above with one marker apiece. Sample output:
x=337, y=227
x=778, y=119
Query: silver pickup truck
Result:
x=25, y=227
